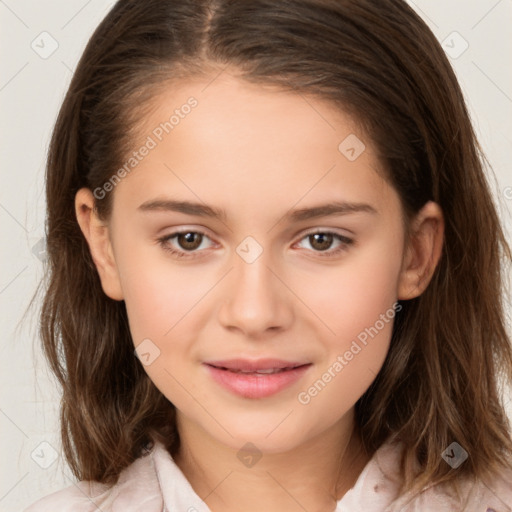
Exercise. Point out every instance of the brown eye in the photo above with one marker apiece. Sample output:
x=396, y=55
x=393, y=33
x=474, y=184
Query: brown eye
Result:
x=186, y=244
x=326, y=243
x=189, y=241
x=321, y=241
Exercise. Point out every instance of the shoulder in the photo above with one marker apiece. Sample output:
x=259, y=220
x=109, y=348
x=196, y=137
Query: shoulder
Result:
x=466, y=495
x=82, y=497
x=137, y=485
x=378, y=489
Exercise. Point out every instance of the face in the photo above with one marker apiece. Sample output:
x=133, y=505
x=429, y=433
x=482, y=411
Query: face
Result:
x=259, y=254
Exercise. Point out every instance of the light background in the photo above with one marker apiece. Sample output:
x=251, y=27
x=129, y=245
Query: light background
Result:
x=31, y=91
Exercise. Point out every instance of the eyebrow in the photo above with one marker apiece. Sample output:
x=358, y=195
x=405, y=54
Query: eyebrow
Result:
x=204, y=210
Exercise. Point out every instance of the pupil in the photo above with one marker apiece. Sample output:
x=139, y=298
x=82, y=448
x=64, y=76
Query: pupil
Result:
x=321, y=241
x=186, y=240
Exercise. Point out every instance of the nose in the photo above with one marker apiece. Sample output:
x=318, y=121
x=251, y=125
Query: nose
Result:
x=255, y=300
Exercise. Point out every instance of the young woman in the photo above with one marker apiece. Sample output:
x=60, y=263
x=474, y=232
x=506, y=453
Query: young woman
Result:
x=275, y=267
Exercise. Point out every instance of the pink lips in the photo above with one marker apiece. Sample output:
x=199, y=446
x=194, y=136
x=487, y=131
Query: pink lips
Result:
x=256, y=379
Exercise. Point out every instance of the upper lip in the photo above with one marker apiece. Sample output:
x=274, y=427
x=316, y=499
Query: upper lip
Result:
x=254, y=365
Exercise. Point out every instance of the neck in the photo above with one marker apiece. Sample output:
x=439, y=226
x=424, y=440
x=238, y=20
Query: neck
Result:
x=312, y=476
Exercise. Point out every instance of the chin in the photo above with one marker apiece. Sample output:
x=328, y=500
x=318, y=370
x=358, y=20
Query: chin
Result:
x=268, y=434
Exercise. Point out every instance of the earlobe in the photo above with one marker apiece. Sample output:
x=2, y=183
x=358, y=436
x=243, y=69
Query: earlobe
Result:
x=423, y=251
x=96, y=232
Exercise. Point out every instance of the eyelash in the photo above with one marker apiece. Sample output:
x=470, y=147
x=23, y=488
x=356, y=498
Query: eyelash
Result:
x=345, y=243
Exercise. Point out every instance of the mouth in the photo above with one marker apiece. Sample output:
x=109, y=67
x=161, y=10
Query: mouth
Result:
x=266, y=371
x=260, y=366
x=263, y=371
x=256, y=379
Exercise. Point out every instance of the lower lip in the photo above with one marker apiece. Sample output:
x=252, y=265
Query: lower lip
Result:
x=252, y=385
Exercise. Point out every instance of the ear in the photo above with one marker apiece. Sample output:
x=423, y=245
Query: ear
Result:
x=96, y=233
x=423, y=251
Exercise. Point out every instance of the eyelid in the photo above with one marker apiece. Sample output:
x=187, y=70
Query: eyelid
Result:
x=326, y=230
x=187, y=229
x=344, y=240
x=164, y=240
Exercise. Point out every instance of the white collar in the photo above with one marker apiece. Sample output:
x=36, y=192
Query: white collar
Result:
x=374, y=489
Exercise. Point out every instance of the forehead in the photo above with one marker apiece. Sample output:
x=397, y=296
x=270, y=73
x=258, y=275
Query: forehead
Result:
x=224, y=138
x=232, y=109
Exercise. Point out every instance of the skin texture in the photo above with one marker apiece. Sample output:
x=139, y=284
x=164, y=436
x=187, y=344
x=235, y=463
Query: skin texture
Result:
x=259, y=153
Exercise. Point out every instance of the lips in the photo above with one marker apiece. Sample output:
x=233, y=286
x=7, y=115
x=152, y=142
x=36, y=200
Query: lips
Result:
x=261, y=366
x=256, y=379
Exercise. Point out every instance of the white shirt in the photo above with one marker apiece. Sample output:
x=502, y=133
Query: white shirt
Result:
x=154, y=483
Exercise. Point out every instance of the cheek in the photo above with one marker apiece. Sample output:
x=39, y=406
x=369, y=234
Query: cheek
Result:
x=162, y=301
x=362, y=315
x=351, y=296
x=357, y=301
x=158, y=294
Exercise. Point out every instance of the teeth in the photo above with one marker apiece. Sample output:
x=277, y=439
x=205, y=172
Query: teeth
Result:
x=262, y=372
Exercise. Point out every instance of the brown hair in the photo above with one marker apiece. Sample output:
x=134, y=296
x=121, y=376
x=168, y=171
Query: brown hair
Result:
x=377, y=60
